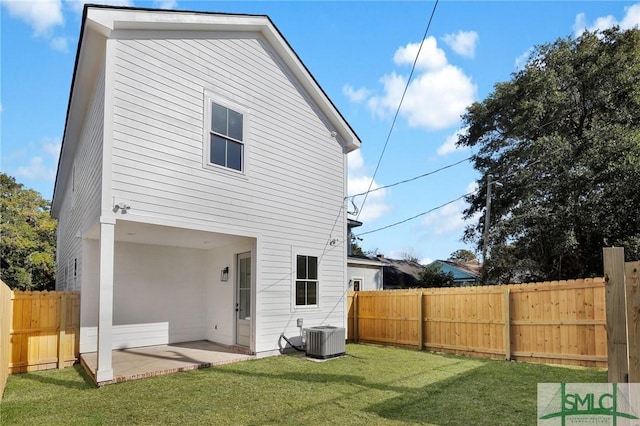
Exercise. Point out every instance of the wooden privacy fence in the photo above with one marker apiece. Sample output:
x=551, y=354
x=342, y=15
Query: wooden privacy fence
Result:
x=562, y=322
x=622, y=282
x=44, y=332
x=5, y=320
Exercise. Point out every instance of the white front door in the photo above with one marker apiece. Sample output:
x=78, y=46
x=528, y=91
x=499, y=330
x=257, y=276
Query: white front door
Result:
x=243, y=300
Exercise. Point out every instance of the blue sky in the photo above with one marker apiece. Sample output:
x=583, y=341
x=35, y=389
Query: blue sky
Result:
x=361, y=54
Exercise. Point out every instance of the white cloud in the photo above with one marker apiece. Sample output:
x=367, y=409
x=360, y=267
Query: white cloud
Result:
x=1, y=108
x=462, y=42
x=631, y=19
x=166, y=4
x=437, y=95
x=41, y=15
x=449, y=144
x=37, y=170
x=51, y=147
x=449, y=219
x=425, y=261
x=434, y=100
x=358, y=182
x=42, y=165
x=521, y=60
x=446, y=220
x=60, y=44
x=431, y=56
x=355, y=162
x=355, y=95
x=78, y=5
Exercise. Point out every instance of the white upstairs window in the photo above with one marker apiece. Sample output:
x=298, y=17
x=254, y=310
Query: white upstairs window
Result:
x=225, y=139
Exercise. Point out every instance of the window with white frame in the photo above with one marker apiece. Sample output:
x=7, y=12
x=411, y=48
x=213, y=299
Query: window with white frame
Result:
x=225, y=137
x=306, y=280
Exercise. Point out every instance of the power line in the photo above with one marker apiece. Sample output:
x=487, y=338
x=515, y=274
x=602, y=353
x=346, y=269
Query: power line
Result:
x=419, y=214
x=466, y=159
x=411, y=179
x=395, y=117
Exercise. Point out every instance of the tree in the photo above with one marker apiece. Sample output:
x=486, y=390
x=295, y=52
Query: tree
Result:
x=355, y=246
x=462, y=256
x=563, y=140
x=409, y=256
x=433, y=276
x=27, y=247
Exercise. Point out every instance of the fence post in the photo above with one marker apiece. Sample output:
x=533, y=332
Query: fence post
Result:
x=618, y=367
x=507, y=324
x=356, y=307
x=632, y=281
x=62, y=329
x=420, y=322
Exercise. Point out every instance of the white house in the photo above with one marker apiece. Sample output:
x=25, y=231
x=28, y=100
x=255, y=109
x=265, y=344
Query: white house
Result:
x=201, y=184
x=365, y=273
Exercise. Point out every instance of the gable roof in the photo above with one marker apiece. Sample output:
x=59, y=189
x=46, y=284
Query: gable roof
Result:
x=461, y=271
x=401, y=273
x=98, y=21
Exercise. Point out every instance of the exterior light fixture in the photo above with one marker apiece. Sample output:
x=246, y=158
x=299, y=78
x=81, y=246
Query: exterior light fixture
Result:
x=224, y=274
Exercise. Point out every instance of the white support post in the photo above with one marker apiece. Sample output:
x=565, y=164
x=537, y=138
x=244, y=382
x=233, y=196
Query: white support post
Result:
x=104, y=370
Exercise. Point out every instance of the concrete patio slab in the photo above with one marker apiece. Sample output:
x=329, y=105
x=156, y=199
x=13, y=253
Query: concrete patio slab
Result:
x=139, y=363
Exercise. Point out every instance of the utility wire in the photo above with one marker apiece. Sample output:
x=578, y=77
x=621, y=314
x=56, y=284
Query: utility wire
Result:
x=411, y=179
x=466, y=159
x=395, y=117
x=418, y=215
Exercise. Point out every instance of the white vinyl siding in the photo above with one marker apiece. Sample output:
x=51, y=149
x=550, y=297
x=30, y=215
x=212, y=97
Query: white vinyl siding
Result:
x=291, y=196
x=81, y=202
x=371, y=276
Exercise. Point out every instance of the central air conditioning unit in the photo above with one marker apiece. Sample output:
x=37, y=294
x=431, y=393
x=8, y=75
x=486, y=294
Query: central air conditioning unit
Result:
x=325, y=342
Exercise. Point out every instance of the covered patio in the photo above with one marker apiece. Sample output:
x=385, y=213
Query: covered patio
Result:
x=146, y=285
x=149, y=361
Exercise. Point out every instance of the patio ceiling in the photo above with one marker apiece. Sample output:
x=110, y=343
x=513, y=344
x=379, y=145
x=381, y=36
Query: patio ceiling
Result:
x=144, y=233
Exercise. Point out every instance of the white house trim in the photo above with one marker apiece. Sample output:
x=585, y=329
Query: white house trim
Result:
x=104, y=370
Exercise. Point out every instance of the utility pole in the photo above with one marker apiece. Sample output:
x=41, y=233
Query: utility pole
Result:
x=487, y=215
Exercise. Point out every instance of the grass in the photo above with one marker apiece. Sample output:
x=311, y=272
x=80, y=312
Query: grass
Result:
x=372, y=385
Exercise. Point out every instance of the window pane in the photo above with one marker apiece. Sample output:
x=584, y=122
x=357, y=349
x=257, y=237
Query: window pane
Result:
x=301, y=267
x=235, y=125
x=218, y=150
x=312, y=293
x=300, y=292
x=313, y=268
x=244, y=304
x=234, y=155
x=218, y=119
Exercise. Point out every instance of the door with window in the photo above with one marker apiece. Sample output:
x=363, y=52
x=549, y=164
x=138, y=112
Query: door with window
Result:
x=357, y=284
x=243, y=300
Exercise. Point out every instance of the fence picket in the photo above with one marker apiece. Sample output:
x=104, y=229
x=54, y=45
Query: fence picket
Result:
x=552, y=322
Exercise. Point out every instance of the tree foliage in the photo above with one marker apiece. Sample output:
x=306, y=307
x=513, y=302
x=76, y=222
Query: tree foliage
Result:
x=563, y=140
x=462, y=256
x=27, y=246
x=433, y=276
x=355, y=246
x=409, y=256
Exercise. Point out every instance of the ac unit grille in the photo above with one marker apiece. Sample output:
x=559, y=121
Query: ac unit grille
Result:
x=325, y=342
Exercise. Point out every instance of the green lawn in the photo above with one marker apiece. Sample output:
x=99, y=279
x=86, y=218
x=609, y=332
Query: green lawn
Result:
x=371, y=385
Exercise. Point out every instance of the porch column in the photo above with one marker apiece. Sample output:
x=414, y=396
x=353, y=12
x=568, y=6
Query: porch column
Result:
x=104, y=370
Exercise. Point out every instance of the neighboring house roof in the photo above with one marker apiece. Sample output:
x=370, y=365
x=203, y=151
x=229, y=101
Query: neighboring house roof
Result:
x=99, y=21
x=400, y=273
x=352, y=223
x=462, y=272
x=363, y=260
